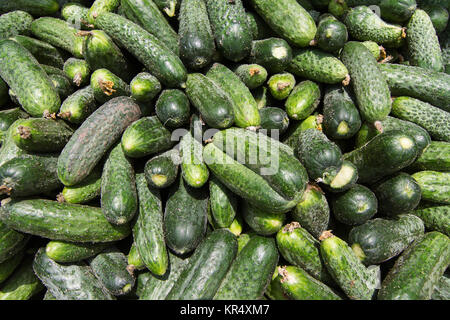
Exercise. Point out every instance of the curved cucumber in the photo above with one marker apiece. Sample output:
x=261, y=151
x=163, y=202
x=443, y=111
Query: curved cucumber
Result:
x=36, y=8
x=78, y=106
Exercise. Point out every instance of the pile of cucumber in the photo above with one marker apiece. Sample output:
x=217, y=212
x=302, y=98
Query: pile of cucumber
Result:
x=225, y=149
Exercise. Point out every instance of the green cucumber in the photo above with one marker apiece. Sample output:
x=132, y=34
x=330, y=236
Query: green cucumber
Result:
x=77, y=70
x=99, y=7
x=214, y=105
x=148, y=49
x=9, y=149
x=206, y=268
x=346, y=268
x=398, y=194
x=280, y=85
x=43, y=52
x=15, y=23
x=107, y=85
x=435, y=186
x=12, y=242
x=144, y=87
x=162, y=170
x=60, y=221
x=274, y=54
x=144, y=137
x=259, y=28
x=316, y=65
x=59, y=34
x=8, y=117
x=82, y=192
x=423, y=44
x=379, y=240
x=252, y=75
x=442, y=289
x=435, y=158
x=418, y=270
x=135, y=261
x=435, y=216
x=31, y=85
x=78, y=106
x=70, y=252
x=75, y=14
x=436, y=121
x=303, y=100
x=397, y=11
x=273, y=118
x=265, y=223
x=148, y=230
x=290, y=138
x=331, y=35
x=288, y=19
x=22, y=285
x=89, y=143
x=173, y=108
x=62, y=85
x=68, y=282
x=8, y=266
x=193, y=169
x=185, y=217
x=261, y=96
x=223, y=203
x=439, y=17
x=36, y=8
x=197, y=46
x=146, y=14
x=377, y=50
x=110, y=268
x=385, y=154
x=251, y=271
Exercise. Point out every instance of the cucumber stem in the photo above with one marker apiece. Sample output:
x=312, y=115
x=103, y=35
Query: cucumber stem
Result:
x=325, y=235
x=291, y=227
x=24, y=132
x=60, y=198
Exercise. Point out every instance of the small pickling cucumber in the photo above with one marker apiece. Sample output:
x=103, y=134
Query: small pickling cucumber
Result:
x=83, y=192
x=162, y=170
x=8, y=117
x=274, y=54
x=303, y=100
x=12, y=242
x=144, y=87
x=9, y=149
x=252, y=75
x=78, y=106
x=14, y=23
x=100, y=6
x=193, y=168
x=435, y=186
x=435, y=158
x=331, y=34
x=265, y=223
x=36, y=8
x=70, y=252
x=135, y=261
x=78, y=71
x=436, y=217
x=22, y=285
x=43, y=52
x=107, y=85
x=280, y=85
x=273, y=118
x=173, y=108
x=223, y=203
x=397, y=11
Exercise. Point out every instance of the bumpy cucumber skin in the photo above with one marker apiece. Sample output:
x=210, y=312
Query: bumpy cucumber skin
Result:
x=383, y=239
x=8, y=117
x=442, y=290
x=78, y=106
x=252, y=75
x=8, y=266
x=83, y=192
x=274, y=54
x=364, y=25
x=27, y=79
x=423, y=44
x=15, y=23
x=331, y=35
x=118, y=188
x=262, y=222
x=106, y=85
x=77, y=70
x=146, y=14
x=197, y=46
x=223, y=203
x=435, y=158
x=69, y=252
x=144, y=87
x=80, y=155
x=100, y=6
x=68, y=282
x=318, y=66
x=303, y=100
x=148, y=230
x=49, y=219
x=12, y=242
x=42, y=51
x=36, y=8
x=22, y=285
x=206, y=268
x=436, y=121
x=370, y=87
x=434, y=185
x=418, y=269
x=150, y=51
x=288, y=19
x=75, y=14
x=62, y=85
x=135, y=262
x=436, y=217
x=280, y=85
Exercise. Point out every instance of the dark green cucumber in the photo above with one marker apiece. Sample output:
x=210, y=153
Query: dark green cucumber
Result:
x=78, y=71
x=59, y=34
x=36, y=8
x=265, y=223
x=144, y=137
x=385, y=154
x=60, y=221
x=288, y=19
x=370, y=87
x=261, y=96
x=434, y=185
x=435, y=217
x=341, y=118
x=346, y=268
x=206, y=268
x=274, y=54
x=94, y=137
x=110, y=268
x=27, y=79
x=424, y=49
x=439, y=17
x=8, y=117
x=29, y=175
x=148, y=231
x=173, y=108
x=259, y=28
x=252, y=75
x=290, y=138
x=70, y=252
x=4, y=93
x=316, y=65
x=9, y=149
x=418, y=270
x=303, y=100
x=162, y=170
x=280, y=85
x=12, y=242
x=423, y=84
x=41, y=135
x=379, y=240
x=144, y=87
x=99, y=7
x=68, y=282
x=331, y=35
x=197, y=46
x=397, y=11
x=365, y=25
x=62, y=85
x=223, y=203
x=251, y=271
x=78, y=106
x=148, y=49
x=436, y=157
x=83, y=192
x=436, y=121
x=398, y=194
x=100, y=52
x=146, y=14
x=43, y=52
x=15, y=23
x=22, y=285
x=301, y=249
x=230, y=28
x=106, y=85
x=8, y=266
x=185, y=217
x=214, y=105
x=273, y=118
x=297, y=284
